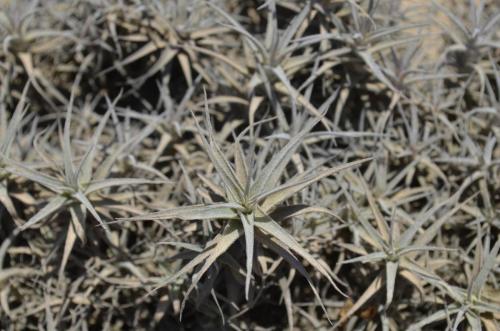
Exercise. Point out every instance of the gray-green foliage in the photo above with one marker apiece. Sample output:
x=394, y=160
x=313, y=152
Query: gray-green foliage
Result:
x=249, y=165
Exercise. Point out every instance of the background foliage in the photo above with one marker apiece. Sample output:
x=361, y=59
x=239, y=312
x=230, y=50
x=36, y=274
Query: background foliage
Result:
x=249, y=165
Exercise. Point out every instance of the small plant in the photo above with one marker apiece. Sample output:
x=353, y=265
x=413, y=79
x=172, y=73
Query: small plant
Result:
x=398, y=251
x=469, y=303
x=252, y=191
x=75, y=189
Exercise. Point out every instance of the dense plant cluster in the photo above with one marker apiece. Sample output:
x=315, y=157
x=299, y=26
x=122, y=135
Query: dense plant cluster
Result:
x=249, y=165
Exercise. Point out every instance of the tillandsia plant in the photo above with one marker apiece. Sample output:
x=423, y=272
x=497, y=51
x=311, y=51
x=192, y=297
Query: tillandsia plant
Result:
x=176, y=32
x=24, y=43
x=251, y=191
x=277, y=58
x=470, y=36
x=472, y=304
x=75, y=189
x=397, y=250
